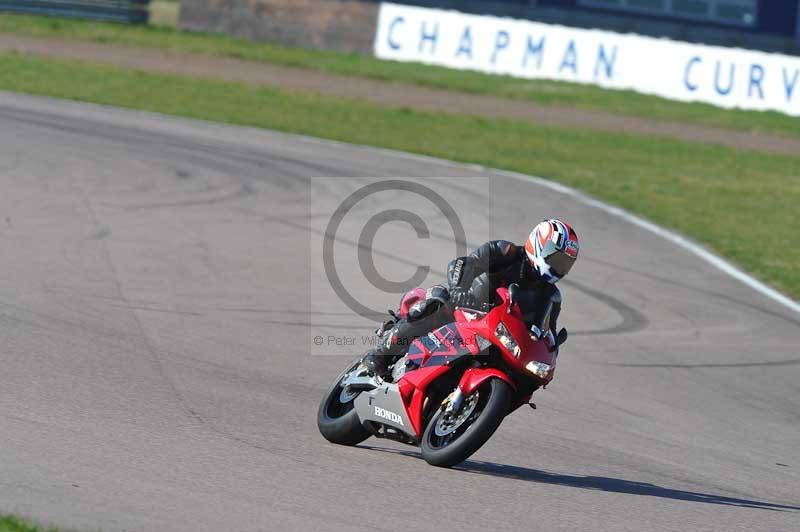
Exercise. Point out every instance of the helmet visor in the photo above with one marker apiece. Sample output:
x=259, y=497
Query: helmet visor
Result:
x=560, y=263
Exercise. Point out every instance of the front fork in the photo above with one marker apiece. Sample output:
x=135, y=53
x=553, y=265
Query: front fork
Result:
x=455, y=401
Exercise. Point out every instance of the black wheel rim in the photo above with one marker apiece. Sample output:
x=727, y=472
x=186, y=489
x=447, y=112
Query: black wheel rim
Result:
x=337, y=405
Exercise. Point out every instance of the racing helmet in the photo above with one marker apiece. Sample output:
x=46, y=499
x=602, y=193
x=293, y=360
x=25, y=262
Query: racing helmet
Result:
x=552, y=249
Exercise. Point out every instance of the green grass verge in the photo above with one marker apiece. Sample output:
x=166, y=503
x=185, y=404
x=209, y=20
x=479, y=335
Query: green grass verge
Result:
x=10, y=523
x=539, y=91
x=717, y=195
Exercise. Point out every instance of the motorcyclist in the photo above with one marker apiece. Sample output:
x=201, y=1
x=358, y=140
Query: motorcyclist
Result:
x=544, y=259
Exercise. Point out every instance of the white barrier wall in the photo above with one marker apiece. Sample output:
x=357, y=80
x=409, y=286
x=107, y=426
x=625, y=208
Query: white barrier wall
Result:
x=728, y=77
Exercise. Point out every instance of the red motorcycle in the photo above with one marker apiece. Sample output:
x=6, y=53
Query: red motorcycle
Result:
x=452, y=389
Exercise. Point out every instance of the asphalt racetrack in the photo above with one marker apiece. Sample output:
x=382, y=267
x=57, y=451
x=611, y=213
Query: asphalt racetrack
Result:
x=160, y=291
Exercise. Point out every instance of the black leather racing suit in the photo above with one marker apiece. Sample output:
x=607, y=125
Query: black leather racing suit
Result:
x=472, y=281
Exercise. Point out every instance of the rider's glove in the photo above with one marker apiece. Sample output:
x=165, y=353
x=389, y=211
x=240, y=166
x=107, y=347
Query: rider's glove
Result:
x=438, y=293
x=462, y=297
x=388, y=324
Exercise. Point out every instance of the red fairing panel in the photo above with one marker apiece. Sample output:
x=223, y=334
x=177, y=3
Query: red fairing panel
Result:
x=415, y=383
x=474, y=377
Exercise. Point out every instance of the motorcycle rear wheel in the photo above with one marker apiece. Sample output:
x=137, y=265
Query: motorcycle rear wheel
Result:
x=337, y=419
x=446, y=449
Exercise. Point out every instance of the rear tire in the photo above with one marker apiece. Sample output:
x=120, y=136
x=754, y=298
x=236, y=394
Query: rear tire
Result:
x=338, y=421
x=493, y=402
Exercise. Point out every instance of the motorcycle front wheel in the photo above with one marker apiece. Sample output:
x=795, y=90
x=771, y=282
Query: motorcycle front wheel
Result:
x=337, y=419
x=452, y=437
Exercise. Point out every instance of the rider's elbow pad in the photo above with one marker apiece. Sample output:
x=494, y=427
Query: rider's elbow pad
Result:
x=459, y=272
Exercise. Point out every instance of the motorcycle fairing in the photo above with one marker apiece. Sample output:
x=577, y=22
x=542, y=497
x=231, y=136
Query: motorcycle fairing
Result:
x=439, y=347
x=400, y=405
x=474, y=377
x=416, y=384
x=531, y=349
x=385, y=406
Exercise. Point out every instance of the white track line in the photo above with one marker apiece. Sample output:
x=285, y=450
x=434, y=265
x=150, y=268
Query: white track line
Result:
x=677, y=239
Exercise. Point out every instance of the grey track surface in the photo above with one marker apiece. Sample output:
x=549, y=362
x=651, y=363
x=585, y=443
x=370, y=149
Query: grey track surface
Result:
x=151, y=379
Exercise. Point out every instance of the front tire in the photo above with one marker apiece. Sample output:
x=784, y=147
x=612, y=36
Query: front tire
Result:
x=337, y=419
x=445, y=444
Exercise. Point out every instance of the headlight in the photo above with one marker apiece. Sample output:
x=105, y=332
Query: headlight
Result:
x=506, y=339
x=539, y=369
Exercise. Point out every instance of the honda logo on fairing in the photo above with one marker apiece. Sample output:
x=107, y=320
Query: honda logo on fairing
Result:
x=391, y=416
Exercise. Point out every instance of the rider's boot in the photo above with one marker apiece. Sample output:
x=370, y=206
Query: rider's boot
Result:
x=392, y=345
x=378, y=362
x=378, y=359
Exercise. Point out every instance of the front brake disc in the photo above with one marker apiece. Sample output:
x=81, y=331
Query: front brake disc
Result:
x=449, y=422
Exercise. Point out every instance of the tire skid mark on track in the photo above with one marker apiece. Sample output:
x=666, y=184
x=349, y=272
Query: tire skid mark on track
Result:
x=223, y=195
x=632, y=319
x=88, y=128
x=700, y=437
x=698, y=289
x=210, y=155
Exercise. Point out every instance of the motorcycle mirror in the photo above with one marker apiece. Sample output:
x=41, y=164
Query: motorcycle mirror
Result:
x=562, y=336
x=513, y=293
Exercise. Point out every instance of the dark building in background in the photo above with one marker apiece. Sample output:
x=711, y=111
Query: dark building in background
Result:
x=769, y=25
x=349, y=25
x=771, y=17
